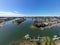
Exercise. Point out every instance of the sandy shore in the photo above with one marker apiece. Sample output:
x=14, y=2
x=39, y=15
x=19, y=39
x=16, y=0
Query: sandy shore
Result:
x=57, y=42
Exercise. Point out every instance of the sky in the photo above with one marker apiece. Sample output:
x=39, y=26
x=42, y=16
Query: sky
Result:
x=29, y=7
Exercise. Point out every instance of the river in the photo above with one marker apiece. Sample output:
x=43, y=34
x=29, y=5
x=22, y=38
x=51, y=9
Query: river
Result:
x=11, y=32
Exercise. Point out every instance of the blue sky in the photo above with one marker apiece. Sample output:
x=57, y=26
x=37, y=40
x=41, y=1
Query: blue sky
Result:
x=30, y=7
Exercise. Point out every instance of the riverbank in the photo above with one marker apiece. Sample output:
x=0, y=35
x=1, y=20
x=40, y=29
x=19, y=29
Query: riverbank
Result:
x=42, y=28
x=19, y=21
x=43, y=41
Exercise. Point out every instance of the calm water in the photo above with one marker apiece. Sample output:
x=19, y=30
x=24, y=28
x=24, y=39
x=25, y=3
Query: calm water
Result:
x=11, y=32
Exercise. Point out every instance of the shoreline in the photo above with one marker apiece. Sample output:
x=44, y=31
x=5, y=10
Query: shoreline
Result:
x=42, y=28
x=52, y=25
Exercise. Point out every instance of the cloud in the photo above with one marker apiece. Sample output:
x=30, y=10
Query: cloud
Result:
x=17, y=14
x=10, y=14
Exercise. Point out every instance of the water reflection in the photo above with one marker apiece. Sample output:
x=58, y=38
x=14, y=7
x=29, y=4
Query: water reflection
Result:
x=10, y=32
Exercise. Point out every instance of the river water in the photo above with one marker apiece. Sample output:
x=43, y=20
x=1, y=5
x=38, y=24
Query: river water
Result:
x=11, y=32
